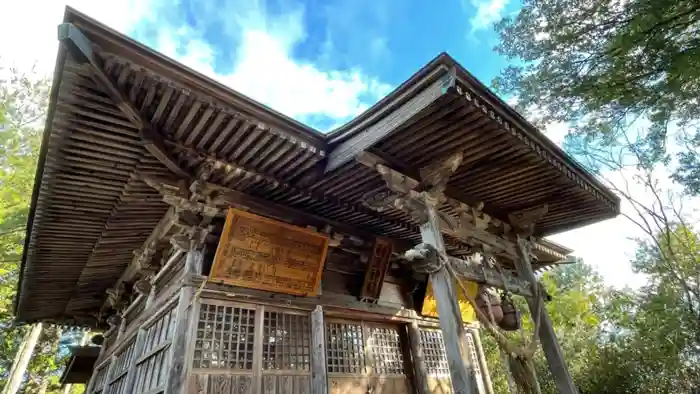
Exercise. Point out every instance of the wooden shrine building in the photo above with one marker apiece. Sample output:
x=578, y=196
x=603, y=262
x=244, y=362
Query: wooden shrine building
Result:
x=226, y=248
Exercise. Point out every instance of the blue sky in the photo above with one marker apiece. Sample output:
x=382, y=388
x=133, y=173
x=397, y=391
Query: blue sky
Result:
x=377, y=44
x=319, y=61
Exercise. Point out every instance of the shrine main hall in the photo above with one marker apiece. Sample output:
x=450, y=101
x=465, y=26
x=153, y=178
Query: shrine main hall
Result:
x=222, y=247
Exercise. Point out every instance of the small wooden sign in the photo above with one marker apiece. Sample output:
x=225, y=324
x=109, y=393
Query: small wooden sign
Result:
x=261, y=253
x=377, y=267
x=465, y=308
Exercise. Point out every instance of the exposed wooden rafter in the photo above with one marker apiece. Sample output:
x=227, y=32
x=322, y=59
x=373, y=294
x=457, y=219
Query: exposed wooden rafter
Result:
x=360, y=141
x=84, y=50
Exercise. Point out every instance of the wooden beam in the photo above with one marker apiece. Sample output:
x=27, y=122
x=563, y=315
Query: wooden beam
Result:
x=393, y=121
x=319, y=375
x=453, y=331
x=227, y=197
x=476, y=272
x=547, y=336
x=471, y=223
x=85, y=51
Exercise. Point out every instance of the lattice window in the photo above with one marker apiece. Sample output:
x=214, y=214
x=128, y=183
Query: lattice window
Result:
x=386, y=356
x=472, y=352
x=225, y=337
x=151, y=367
x=120, y=370
x=100, y=378
x=433, y=347
x=286, y=341
x=345, y=348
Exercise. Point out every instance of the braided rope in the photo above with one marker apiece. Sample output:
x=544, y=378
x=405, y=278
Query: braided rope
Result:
x=426, y=259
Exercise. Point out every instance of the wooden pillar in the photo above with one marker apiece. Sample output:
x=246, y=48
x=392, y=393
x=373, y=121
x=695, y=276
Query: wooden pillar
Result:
x=258, y=334
x=182, y=336
x=453, y=331
x=547, y=336
x=319, y=372
x=419, y=368
x=482, y=361
x=22, y=358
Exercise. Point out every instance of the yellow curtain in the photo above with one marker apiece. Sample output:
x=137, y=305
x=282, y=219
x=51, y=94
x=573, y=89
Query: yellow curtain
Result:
x=468, y=314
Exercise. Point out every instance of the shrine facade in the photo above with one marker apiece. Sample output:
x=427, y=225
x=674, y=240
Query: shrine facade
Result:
x=223, y=247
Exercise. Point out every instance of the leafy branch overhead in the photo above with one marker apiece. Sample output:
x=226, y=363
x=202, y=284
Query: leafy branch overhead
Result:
x=604, y=66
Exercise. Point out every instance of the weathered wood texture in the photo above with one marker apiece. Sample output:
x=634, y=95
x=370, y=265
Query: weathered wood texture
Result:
x=547, y=335
x=365, y=356
x=131, y=113
x=420, y=369
x=376, y=270
x=457, y=348
x=177, y=372
x=260, y=253
x=319, y=377
x=212, y=383
x=481, y=356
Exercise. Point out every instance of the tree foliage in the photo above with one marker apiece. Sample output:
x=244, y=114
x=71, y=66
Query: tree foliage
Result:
x=23, y=103
x=603, y=66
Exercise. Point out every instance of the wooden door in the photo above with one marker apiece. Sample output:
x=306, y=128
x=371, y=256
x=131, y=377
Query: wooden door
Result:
x=436, y=365
x=435, y=360
x=251, y=349
x=364, y=358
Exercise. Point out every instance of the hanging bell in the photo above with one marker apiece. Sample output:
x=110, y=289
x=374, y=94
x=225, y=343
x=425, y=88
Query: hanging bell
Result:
x=511, y=315
x=488, y=299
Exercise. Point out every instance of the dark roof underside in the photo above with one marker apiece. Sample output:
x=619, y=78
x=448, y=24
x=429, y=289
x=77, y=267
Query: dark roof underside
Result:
x=90, y=210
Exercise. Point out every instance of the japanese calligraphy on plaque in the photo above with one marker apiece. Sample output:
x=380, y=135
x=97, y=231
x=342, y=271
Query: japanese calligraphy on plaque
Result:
x=265, y=254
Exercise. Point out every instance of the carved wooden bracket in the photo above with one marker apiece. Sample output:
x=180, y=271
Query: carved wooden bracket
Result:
x=116, y=297
x=524, y=221
x=435, y=177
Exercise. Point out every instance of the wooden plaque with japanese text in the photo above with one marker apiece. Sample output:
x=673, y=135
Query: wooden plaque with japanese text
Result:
x=265, y=254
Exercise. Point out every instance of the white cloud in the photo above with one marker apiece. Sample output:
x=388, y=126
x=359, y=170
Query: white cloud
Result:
x=264, y=66
x=28, y=34
x=487, y=13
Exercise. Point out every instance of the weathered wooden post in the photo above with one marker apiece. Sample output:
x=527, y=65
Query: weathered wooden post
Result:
x=177, y=376
x=319, y=375
x=453, y=331
x=419, y=367
x=547, y=336
x=524, y=224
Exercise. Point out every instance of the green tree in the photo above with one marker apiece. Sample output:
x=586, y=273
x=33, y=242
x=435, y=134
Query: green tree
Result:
x=22, y=106
x=575, y=313
x=604, y=66
x=23, y=103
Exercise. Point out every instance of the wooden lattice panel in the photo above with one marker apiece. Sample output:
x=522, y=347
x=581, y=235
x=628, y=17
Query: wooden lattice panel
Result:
x=286, y=341
x=120, y=370
x=473, y=354
x=225, y=337
x=100, y=378
x=433, y=346
x=152, y=366
x=386, y=357
x=345, y=348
